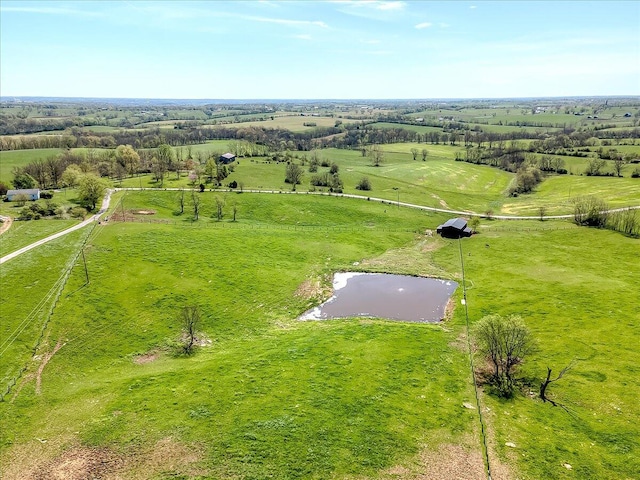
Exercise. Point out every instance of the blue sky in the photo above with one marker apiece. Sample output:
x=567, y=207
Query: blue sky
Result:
x=315, y=50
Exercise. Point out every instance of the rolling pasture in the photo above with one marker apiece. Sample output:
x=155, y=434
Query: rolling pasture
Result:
x=93, y=382
x=269, y=395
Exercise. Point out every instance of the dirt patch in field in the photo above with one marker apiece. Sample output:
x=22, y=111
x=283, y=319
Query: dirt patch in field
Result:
x=77, y=464
x=448, y=309
x=430, y=245
x=448, y=461
x=313, y=288
x=45, y=359
x=4, y=226
x=146, y=358
x=130, y=215
x=167, y=457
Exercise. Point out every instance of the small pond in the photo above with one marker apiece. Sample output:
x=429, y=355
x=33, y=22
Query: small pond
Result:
x=396, y=297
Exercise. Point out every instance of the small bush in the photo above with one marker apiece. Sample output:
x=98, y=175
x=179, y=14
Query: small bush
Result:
x=364, y=184
x=47, y=195
x=78, y=212
x=26, y=214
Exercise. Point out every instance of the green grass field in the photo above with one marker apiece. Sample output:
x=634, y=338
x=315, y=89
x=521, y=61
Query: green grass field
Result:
x=16, y=158
x=295, y=123
x=271, y=396
x=21, y=234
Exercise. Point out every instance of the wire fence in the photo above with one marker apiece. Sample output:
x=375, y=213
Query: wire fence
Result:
x=51, y=298
x=483, y=428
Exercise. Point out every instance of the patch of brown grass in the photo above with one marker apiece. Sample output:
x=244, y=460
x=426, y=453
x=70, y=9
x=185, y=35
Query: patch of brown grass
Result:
x=146, y=358
x=314, y=289
x=463, y=461
x=167, y=457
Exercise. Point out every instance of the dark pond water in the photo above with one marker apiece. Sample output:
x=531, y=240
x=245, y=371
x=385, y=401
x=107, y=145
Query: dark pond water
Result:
x=397, y=297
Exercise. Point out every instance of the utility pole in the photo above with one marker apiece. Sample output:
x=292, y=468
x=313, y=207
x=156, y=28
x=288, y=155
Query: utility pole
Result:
x=397, y=189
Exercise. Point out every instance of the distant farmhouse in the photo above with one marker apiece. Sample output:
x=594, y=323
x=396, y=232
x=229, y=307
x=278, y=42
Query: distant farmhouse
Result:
x=454, y=228
x=227, y=158
x=30, y=193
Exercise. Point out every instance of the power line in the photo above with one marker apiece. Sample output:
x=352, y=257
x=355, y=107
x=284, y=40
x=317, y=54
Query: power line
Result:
x=471, y=365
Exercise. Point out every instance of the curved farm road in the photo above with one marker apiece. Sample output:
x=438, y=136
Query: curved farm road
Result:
x=105, y=205
x=107, y=199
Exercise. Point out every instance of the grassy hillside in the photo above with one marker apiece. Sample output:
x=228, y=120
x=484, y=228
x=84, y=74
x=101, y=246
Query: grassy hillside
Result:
x=16, y=158
x=271, y=396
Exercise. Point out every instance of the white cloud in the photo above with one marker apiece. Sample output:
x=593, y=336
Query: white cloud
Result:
x=304, y=36
x=375, y=4
x=390, y=5
x=51, y=11
x=424, y=25
x=472, y=7
x=286, y=21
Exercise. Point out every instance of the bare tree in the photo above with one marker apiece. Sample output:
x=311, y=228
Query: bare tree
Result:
x=190, y=319
x=542, y=210
x=376, y=154
x=425, y=152
x=414, y=153
x=548, y=381
x=195, y=200
x=181, y=200
x=618, y=163
x=234, y=209
x=220, y=203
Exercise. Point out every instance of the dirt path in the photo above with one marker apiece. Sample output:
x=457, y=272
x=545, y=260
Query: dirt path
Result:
x=6, y=223
x=45, y=359
x=94, y=218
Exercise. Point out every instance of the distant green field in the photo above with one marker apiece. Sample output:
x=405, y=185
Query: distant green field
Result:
x=557, y=194
x=439, y=182
x=413, y=128
x=16, y=158
x=295, y=123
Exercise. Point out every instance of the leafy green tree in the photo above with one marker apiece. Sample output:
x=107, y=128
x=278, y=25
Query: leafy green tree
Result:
x=128, y=158
x=71, y=175
x=22, y=180
x=91, y=188
x=504, y=342
x=293, y=174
